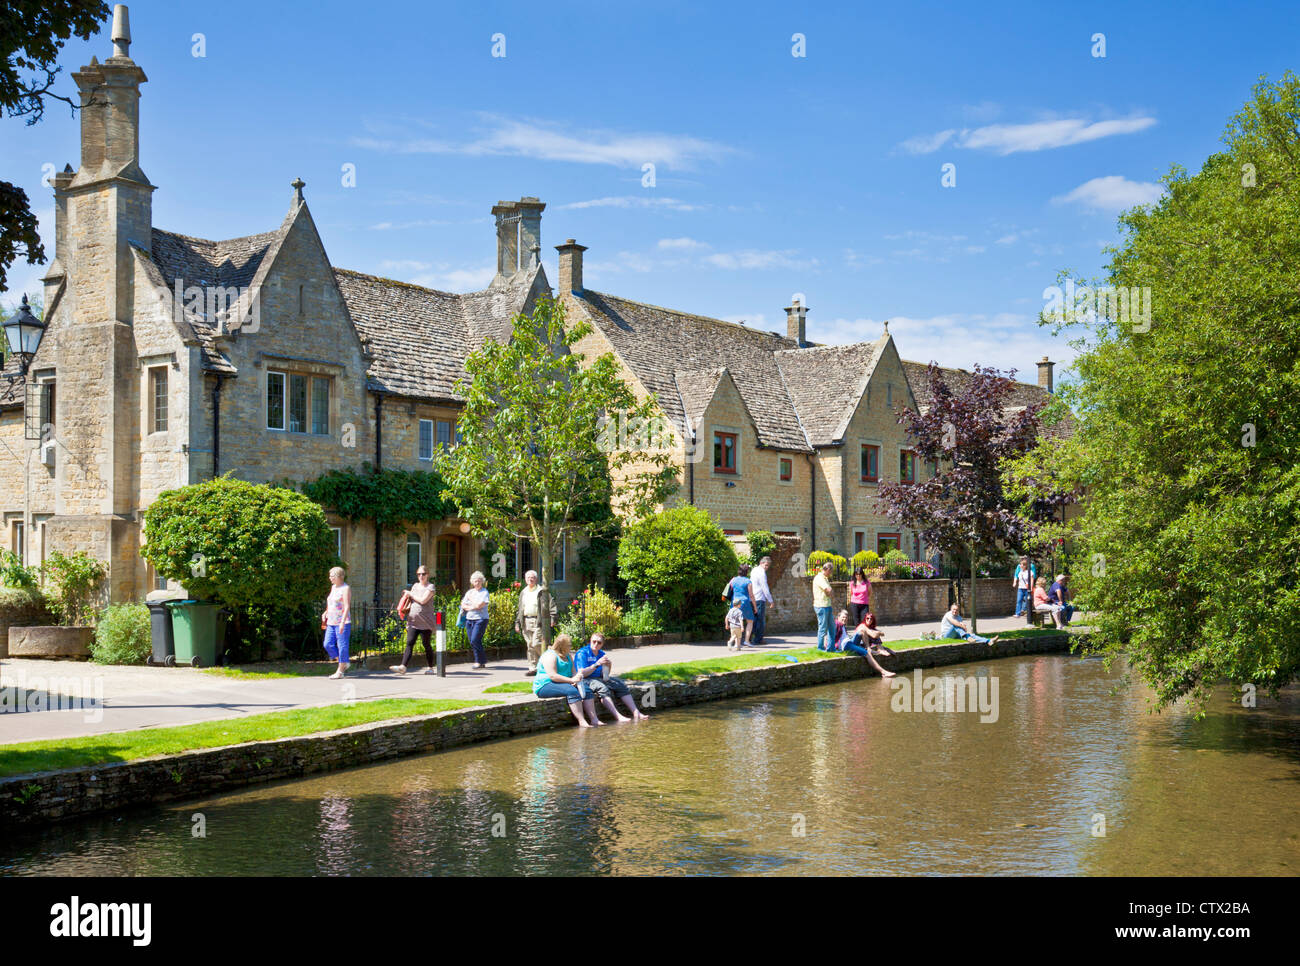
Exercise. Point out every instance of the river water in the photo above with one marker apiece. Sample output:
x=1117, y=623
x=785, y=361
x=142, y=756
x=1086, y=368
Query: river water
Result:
x=825, y=780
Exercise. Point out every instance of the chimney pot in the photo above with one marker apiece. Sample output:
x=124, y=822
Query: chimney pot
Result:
x=570, y=279
x=796, y=320
x=121, y=35
x=1045, y=373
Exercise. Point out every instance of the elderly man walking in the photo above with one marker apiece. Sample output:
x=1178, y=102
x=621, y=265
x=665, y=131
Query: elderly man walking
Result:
x=534, y=619
x=823, y=598
x=762, y=598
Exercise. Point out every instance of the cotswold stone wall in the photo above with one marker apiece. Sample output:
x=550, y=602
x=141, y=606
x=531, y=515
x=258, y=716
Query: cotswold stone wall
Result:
x=72, y=793
x=892, y=601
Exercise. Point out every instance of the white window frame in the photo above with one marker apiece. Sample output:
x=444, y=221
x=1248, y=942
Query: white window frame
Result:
x=417, y=542
x=419, y=439
x=338, y=541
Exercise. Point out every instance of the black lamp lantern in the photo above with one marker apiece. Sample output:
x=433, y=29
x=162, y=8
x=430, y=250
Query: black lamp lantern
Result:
x=23, y=332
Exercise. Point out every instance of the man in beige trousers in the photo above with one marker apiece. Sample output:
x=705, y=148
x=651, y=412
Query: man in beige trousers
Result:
x=534, y=601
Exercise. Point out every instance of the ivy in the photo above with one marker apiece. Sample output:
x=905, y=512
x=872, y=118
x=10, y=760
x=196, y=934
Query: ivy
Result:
x=391, y=498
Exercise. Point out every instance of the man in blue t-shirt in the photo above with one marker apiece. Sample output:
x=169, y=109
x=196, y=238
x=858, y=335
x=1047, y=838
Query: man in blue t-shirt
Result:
x=1059, y=593
x=597, y=682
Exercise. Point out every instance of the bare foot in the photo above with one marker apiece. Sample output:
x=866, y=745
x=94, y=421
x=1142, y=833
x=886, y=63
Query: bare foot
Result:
x=641, y=717
x=888, y=674
x=619, y=717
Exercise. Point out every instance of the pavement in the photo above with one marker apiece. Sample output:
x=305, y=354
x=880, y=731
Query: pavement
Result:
x=99, y=699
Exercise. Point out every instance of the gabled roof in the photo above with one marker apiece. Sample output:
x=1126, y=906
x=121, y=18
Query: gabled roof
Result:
x=1022, y=394
x=652, y=342
x=420, y=337
x=696, y=390
x=233, y=263
x=825, y=384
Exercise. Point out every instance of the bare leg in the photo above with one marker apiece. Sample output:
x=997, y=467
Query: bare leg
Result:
x=631, y=706
x=589, y=704
x=613, y=709
x=576, y=708
x=876, y=664
x=749, y=632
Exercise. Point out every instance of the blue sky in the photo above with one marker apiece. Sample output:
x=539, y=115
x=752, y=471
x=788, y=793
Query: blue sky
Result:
x=774, y=174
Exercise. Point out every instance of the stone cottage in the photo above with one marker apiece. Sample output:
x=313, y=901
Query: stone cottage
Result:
x=169, y=359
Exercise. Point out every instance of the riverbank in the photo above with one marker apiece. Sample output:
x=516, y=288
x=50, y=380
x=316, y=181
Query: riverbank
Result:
x=71, y=793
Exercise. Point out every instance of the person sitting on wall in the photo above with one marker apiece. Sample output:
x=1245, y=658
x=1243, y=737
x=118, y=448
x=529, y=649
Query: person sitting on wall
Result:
x=1059, y=593
x=953, y=626
x=556, y=678
x=858, y=643
x=595, y=666
x=872, y=636
x=1043, y=605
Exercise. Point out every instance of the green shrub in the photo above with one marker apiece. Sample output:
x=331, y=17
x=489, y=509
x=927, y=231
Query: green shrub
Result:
x=24, y=605
x=502, y=605
x=866, y=559
x=123, y=635
x=762, y=543
x=75, y=580
x=241, y=544
x=682, y=558
x=819, y=557
x=14, y=574
x=641, y=619
x=601, y=613
x=896, y=568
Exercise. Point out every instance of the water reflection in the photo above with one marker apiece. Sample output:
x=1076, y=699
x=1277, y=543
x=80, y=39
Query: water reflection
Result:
x=727, y=788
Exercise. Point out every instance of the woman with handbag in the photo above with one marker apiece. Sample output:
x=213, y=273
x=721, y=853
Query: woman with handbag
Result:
x=474, y=616
x=420, y=620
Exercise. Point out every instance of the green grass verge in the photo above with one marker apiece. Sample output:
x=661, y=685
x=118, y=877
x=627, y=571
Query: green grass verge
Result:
x=32, y=756
x=510, y=687
x=267, y=670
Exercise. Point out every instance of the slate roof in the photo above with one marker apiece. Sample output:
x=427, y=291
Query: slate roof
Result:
x=232, y=263
x=825, y=384
x=653, y=342
x=420, y=337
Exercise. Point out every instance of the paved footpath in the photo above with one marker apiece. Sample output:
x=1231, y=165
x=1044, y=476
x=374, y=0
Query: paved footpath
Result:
x=127, y=698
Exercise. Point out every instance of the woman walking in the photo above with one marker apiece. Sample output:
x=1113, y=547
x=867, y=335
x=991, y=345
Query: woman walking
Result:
x=555, y=677
x=338, y=621
x=740, y=593
x=859, y=596
x=474, y=605
x=420, y=621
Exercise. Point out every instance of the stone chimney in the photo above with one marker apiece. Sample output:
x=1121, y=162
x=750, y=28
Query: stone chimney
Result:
x=796, y=320
x=530, y=232
x=570, y=267
x=507, y=215
x=1045, y=373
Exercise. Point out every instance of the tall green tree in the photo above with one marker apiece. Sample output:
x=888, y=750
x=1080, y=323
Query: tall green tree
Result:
x=32, y=32
x=532, y=460
x=1188, y=419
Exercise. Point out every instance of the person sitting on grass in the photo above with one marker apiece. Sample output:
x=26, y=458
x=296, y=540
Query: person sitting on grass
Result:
x=872, y=636
x=953, y=626
x=595, y=667
x=860, y=643
x=1044, y=605
x=556, y=679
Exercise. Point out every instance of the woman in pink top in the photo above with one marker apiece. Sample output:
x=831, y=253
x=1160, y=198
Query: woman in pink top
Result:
x=337, y=620
x=859, y=597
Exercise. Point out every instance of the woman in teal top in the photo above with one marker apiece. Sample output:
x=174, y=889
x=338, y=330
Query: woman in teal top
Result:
x=555, y=677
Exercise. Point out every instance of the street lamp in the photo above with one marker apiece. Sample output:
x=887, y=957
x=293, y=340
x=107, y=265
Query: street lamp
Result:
x=23, y=332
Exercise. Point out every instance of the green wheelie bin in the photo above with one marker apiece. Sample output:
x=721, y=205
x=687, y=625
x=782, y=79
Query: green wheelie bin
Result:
x=195, y=627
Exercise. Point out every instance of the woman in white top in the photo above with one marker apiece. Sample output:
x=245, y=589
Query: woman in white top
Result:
x=338, y=621
x=474, y=605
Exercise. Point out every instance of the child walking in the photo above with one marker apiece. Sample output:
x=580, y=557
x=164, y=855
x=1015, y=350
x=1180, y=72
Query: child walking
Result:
x=338, y=621
x=736, y=623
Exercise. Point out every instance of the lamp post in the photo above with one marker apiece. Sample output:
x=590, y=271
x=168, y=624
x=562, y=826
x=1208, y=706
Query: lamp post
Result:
x=23, y=331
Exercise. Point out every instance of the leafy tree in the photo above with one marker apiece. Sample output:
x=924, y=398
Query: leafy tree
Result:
x=391, y=498
x=965, y=509
x=246, y=545
x=682, y=557
x=1188, y=432
x=32, y=32
x=762, y=543
x=530, y=463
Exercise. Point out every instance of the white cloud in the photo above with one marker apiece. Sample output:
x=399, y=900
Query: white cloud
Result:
x=754, y=258
x=547, y=142
x=927, y=143
x=1004, y=340
x=621, y=262
x=681, y=244
x=1112, y=193
x=1034, y=136
x=633, y=201
x=448, y=279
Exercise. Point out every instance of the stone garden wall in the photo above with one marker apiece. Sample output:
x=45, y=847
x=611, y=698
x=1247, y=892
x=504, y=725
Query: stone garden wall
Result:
x=892, y=601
